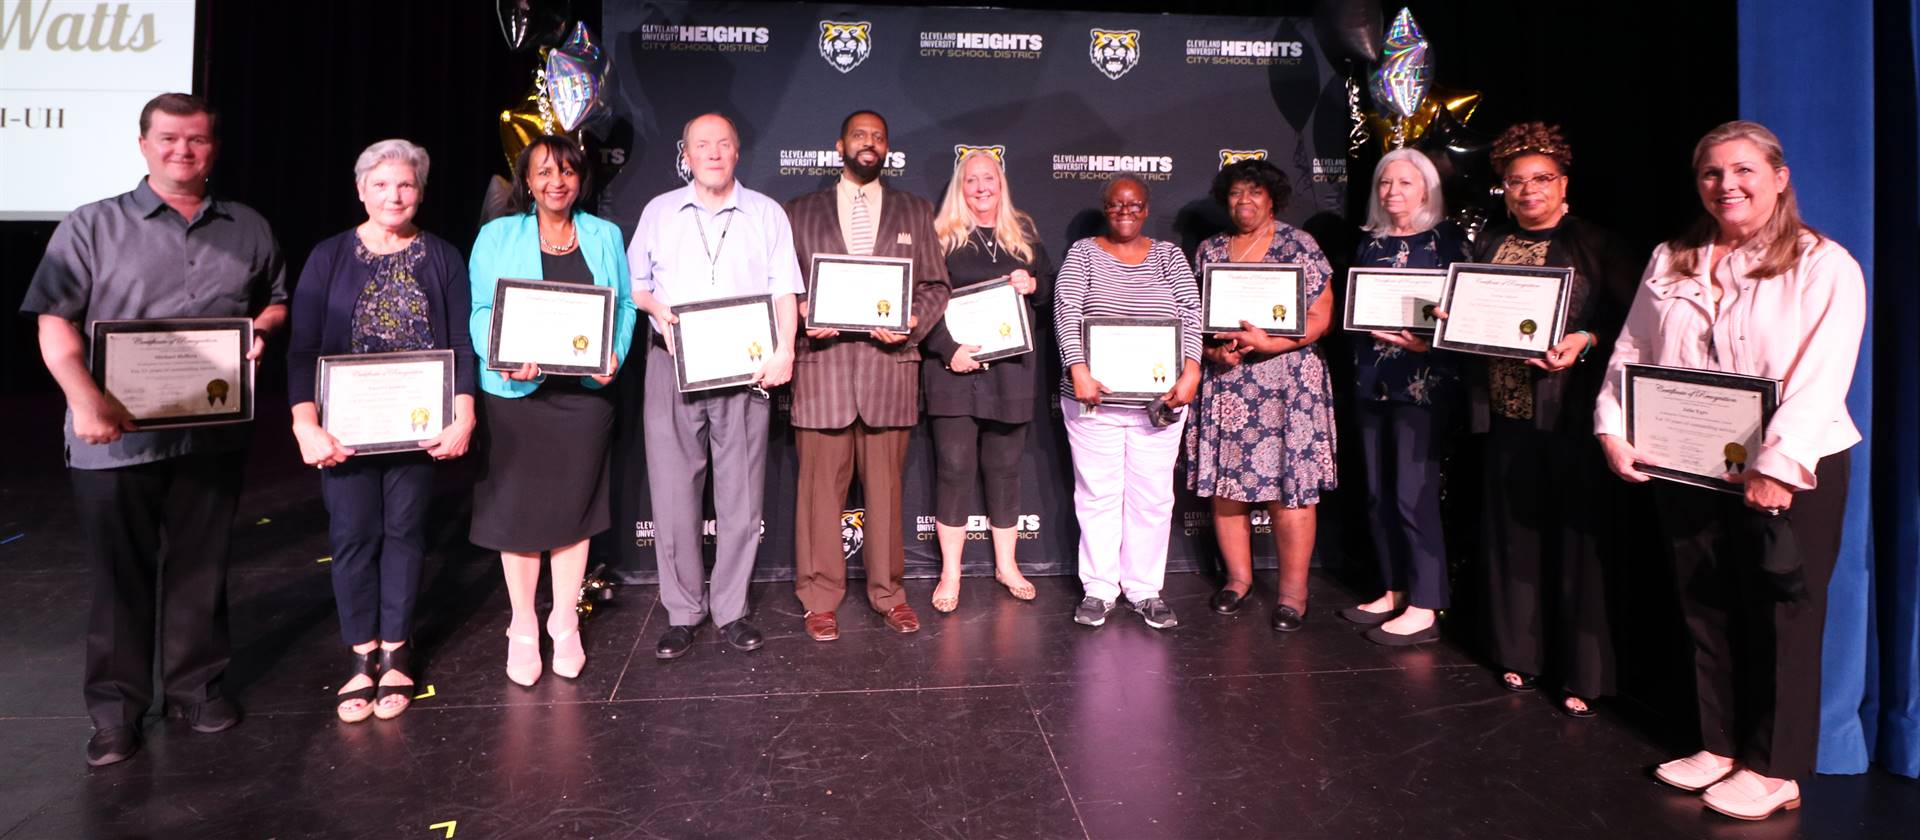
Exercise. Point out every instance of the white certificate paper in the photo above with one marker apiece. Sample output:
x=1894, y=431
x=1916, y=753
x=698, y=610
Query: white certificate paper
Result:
x=385, y=402
x=1266, y=295
x=1695, y=426
x=1393, y=299
x=1136, y=361
x=991, y=316
x=185, y=374
x=1502, y=310
x=717, y=344
x=562, y=327
x=860, y=293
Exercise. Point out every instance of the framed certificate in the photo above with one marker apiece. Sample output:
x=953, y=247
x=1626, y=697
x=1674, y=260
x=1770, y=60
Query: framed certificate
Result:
x=1518, y=311
x=1266, y=295
x=1137, y=359
x=385, y=402
x=1695, y=426
x=565, y=328
x=992, y=316
x=1393, y=299
x=176, y=372
x=720, y=343
x=859, y=294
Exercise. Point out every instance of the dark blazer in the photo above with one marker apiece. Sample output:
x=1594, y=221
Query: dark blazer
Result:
x=330, y=284
x=852, y=377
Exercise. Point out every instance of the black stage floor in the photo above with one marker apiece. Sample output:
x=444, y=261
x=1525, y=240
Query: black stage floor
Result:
x=1003, y=720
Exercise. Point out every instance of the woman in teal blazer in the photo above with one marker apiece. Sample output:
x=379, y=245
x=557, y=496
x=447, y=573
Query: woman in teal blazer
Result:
x=546, y=476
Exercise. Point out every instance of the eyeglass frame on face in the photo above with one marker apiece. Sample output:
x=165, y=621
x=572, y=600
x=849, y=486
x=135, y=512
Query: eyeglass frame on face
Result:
x=1542, y=180
x=1129, y=207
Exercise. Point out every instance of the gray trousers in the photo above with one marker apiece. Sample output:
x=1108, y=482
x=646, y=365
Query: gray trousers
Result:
x=679, y=429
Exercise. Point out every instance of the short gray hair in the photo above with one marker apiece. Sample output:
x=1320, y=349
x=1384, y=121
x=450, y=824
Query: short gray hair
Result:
x=396, y=150
x=1431, y=213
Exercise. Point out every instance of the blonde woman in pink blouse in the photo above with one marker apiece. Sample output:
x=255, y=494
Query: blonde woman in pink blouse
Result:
x=1751, y=290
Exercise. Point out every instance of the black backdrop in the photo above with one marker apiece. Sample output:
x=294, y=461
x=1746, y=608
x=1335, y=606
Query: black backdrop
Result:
x=305, y=86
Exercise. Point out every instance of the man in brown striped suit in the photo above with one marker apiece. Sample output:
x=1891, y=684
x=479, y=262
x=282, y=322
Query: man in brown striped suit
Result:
x=856, y=396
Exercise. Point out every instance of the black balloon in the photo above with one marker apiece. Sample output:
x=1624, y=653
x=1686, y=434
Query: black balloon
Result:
x=1461, y=155
x=1349, y=29
x=531, y=24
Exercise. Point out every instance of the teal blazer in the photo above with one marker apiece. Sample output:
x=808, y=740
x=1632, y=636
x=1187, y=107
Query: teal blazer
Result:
x=510, y=247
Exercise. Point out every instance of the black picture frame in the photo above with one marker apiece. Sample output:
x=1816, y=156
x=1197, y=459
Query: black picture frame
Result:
x=242, y=392
x=895, y=322
x=1633, y=374
x=601, y=366
x=1556, y=330
x=1355, y=277
x=323, y=393
x=686, y=385
x=1024, y=314
x=1298, y=278
x=1174, y=328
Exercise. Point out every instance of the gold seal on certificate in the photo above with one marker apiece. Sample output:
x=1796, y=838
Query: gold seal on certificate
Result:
x=708, y=337
x=1393, y=299
x=991, y=316
x=1136, y=359
x=1517, y=311
x=385, y=402
x=859, y=294
x=1696, y=426
x=565, y=328
x=178, y=372
x=1266, y=295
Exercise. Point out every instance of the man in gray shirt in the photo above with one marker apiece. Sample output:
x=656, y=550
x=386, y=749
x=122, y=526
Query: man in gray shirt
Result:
x=711, y=239
x=167, y=249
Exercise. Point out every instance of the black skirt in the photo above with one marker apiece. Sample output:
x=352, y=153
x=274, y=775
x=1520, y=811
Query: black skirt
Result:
x=547, y=474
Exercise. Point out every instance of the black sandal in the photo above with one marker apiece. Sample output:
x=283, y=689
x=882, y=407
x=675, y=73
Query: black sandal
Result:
x=362, y=663
x=395, y=659
x=1523, y=684
x=1585, y=710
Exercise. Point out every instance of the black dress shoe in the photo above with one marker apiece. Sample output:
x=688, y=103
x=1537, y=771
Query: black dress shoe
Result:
x=216, y=715
x=1227, y=601
x=112, y=746
x=1380, y=636
x=674, y=643
x=1287, y=619
x=743, y=636
x=1367, y=618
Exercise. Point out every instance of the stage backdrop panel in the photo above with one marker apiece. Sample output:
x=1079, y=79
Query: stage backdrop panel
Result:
x=1067, y=99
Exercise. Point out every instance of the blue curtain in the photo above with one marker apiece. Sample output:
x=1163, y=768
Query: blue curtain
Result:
x=1809, y=71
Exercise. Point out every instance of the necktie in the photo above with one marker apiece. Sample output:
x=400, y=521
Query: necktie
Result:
x=862, y=244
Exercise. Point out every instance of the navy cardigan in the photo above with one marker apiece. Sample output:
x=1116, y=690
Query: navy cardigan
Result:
x=329, y=287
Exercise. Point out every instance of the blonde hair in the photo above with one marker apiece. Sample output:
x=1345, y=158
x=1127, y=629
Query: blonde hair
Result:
x=954, y=223
x=1430, y=213
x=1779, y=240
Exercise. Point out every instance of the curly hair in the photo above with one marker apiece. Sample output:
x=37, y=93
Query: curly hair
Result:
x=1259, y=173
x=1531, y=138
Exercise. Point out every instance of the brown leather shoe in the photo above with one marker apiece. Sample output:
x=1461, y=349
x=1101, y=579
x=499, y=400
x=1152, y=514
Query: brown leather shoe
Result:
x=823, y=626
x=901, y=619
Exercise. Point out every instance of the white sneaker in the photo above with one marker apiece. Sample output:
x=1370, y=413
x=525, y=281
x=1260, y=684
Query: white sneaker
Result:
x=1696, y=771
x=1744, y=795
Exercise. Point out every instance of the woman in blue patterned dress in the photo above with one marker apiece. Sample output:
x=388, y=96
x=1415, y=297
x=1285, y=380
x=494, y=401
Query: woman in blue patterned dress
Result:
x=1263, y=431
x=1403, y=394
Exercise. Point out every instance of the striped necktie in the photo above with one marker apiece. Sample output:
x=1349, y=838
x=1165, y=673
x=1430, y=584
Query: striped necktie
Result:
x=862, y=244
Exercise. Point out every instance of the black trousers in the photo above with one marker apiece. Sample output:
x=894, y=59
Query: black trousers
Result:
x=1403, y=499
x=157, y=533
x=377, y=511
x=1756, y=658
x=1545, y=503
x=965, y=447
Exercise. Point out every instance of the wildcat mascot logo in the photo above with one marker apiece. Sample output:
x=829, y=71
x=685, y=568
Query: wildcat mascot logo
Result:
x=962, y=152
x=680, y=166
x=845, y=44
x=853, y=531
x=1114, y=53
x=1229, y=157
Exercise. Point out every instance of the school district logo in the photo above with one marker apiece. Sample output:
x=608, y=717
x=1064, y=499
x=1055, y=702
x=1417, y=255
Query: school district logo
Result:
x=845, y=44
x=1229, y=157
x=853, y=531
x=962, y=152
x=1114, y=53
x=680, y=166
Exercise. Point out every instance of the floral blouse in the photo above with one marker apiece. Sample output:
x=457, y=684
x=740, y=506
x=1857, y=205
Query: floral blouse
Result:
x=1383, y=372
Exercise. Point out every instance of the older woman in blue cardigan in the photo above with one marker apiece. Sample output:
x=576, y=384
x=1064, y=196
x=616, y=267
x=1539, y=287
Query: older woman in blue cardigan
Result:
x=545, y=485
x=384, y=286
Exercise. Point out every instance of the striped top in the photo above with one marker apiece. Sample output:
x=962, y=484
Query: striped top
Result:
x=1093, y=284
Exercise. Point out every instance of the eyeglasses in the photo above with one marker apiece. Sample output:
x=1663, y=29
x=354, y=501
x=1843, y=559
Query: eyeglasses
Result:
x=1542, y=180
x=1120, y=208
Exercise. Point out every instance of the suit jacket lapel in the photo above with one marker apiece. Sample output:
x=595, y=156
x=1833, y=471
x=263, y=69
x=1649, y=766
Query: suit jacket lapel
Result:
x=886, y=233
x=828, y=217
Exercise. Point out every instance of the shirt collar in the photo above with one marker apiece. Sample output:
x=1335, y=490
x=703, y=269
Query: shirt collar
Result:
x=149, y=202
x=848, y=188
x=690, y=197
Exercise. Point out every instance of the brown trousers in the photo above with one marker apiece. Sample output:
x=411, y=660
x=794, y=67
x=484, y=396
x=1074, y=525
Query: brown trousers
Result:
x=828, y=458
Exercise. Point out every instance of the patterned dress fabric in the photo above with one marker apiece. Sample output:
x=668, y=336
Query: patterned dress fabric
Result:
x=391, y=312
x=1384, y=372
x=1510, y=381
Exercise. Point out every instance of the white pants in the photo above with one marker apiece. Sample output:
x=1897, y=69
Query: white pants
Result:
x=1123, y=496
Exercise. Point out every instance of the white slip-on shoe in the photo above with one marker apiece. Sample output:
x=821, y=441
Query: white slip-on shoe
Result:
x=1744, y=796
x=1695, y=772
